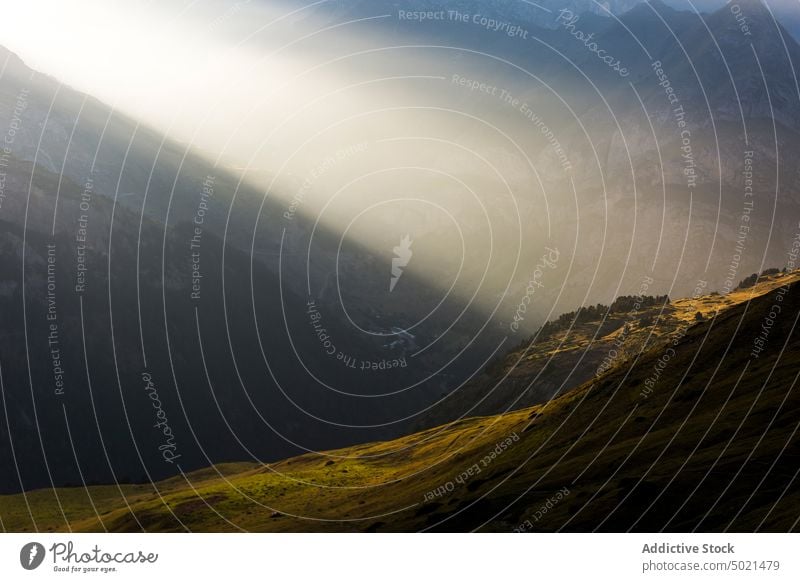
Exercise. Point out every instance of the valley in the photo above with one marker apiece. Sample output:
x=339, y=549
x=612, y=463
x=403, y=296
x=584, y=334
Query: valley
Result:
x=708, y=448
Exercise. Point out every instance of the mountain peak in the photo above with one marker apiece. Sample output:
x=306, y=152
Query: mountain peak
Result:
x=747, y=14
x=659, y=5
x=751, y=22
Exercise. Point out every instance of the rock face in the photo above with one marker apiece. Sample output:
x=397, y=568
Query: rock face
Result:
x=98, y=237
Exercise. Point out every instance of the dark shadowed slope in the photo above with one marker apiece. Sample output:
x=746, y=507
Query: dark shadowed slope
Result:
x=705, y=440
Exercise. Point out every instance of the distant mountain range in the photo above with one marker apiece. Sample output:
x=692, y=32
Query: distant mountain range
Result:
x=543, y=12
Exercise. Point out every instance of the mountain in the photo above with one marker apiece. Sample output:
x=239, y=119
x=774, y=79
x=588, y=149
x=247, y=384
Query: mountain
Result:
x=541, y=13
x=640, y=191
x=755, y=67
x=578, y=159
x=684, y=145
x=580, y=346
x=699, y=434
x=154, y=262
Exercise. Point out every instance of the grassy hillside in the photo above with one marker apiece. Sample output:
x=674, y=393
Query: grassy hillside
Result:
x=578, y=346
x=694, y=432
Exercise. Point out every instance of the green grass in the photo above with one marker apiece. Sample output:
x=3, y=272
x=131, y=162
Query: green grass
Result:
x=690, y=455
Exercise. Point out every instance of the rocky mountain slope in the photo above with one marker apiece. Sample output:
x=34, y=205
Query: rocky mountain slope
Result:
x=698, y=435
x=580, y=346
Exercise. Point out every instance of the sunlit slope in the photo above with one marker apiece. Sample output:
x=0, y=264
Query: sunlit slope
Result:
x=578, y=346
x=710, y=445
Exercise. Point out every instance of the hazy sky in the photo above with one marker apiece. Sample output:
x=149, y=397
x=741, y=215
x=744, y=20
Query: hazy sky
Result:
x=170, y=63
x=199, y=69
x=149, y=53
x=254, y=80
x=187, y=65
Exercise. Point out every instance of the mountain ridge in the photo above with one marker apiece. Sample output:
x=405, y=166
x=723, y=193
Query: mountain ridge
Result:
x=590, y=460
